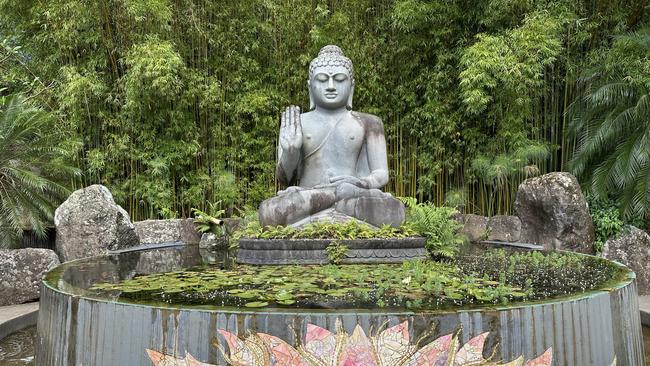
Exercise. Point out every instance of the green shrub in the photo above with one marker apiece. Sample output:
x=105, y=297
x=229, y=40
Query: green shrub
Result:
x=607, y=220
x=324, y=230
x=209, y=222
x=437, y=225
x=336, y=252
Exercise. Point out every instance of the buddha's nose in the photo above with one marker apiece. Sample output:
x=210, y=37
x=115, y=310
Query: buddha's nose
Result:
x=330, y=85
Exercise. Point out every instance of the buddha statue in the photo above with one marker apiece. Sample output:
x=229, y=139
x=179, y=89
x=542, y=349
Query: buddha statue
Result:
x=332, y=159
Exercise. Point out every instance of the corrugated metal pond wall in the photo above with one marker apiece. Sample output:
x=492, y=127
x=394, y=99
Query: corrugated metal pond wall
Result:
x=584, y=331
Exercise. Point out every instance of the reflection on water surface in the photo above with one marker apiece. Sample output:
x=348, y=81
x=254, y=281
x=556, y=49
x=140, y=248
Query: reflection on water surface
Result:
x=18, y=348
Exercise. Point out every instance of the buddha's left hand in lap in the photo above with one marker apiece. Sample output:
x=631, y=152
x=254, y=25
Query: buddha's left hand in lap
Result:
x=338, y=180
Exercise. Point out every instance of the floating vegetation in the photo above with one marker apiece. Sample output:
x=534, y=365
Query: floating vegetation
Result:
x=549, y=274
x=495, y=278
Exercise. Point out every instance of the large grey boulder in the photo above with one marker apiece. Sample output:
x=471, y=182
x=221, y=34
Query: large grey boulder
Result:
x=167, y=231
x=504, y=228
x=89, y=223
x=633, y=250
x=554, y=213
x=474, y=227
x=21, y=271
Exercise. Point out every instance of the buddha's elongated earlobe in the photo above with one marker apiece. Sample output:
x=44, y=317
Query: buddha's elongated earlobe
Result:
x=349, y=103
x=312, y=105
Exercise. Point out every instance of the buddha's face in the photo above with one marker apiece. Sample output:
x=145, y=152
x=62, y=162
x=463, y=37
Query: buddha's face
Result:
x=331, y=87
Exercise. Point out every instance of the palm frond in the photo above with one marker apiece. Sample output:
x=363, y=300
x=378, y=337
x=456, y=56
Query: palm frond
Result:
x=31, y=162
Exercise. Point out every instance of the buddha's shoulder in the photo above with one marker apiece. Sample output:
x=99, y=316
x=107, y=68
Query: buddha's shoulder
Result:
x=367, y=118
x=371, y=122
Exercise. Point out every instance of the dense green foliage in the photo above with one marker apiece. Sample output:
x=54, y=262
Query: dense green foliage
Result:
x=32, y=165
x=336, y=252
x=437, y=225
x=608, y=221
x=209, y=222
x=611, y=120
x=176, y=103
x=324, y=230
x=495, y=277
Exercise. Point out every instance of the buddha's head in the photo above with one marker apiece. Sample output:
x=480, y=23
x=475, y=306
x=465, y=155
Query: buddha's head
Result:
x=331, y=79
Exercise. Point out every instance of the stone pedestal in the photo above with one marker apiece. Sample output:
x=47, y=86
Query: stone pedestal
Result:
x=313, y=251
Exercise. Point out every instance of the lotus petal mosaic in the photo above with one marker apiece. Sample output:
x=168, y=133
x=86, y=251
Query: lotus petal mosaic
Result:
x=390, y=347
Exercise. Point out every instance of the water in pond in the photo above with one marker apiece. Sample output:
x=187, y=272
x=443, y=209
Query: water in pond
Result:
x=186, y=276
x=646, y=342
x=17, y=349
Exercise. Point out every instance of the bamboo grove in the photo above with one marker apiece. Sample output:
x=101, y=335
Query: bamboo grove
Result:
x=175, y=104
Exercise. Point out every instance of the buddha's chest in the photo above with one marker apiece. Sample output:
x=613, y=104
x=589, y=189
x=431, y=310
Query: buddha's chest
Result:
x=336, y=140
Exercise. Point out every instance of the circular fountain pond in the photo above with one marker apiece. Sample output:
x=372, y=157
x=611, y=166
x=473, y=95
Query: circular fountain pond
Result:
x=184, y=306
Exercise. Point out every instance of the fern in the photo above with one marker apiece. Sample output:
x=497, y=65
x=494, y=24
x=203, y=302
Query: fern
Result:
x=437, y=225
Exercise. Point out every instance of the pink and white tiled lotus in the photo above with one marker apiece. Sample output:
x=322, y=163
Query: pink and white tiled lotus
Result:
x=391, y=347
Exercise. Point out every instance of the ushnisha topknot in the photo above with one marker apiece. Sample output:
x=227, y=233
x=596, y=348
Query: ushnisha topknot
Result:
x=332, y=56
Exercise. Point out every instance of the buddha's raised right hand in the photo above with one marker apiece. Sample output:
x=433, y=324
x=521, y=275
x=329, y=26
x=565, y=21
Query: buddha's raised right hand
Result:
x=291, y=130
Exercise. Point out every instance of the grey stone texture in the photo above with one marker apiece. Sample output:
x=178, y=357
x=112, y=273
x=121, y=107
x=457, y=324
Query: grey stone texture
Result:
x=633, y=250
x=90, y=223
x=16, y=317
x=313, y=251
x=212, y=241
x=167, y=231
x=554, y=213
x=376, y=211
x=474, y=227
x=331, y=156
x=504, y=228
x=21, y=271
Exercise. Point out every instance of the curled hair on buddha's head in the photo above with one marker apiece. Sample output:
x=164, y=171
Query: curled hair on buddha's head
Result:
x=331, y=55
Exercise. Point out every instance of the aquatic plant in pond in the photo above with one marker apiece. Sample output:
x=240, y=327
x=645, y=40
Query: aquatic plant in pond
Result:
x=489, y=279
x=413, y=285
x=549, y=274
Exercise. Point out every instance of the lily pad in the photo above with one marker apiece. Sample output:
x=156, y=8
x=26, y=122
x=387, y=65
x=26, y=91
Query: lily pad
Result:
x=256, y=304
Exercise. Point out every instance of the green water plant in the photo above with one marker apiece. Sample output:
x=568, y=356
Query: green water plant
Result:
x=548, y=274
x=495, y=277
x=419, y=284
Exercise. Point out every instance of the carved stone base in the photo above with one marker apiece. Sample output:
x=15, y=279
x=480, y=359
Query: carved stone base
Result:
x=312, y=251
